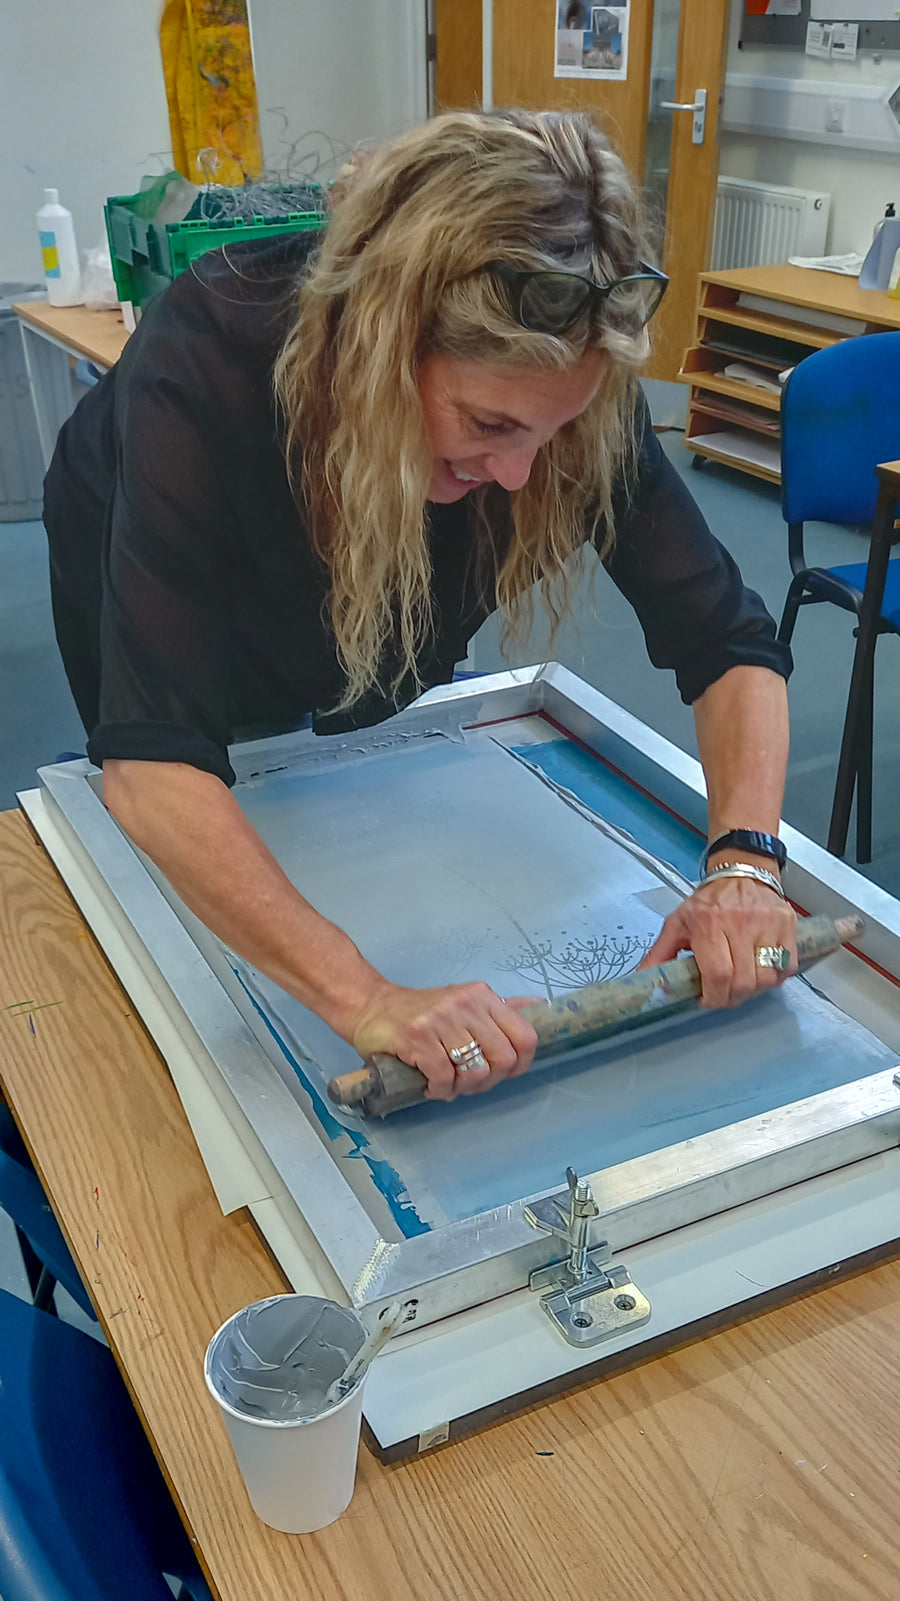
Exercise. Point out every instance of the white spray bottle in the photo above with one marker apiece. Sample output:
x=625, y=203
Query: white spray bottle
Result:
x=60, y=253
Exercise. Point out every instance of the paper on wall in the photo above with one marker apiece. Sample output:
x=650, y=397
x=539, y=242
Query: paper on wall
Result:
x=844, y=40
x=591, y=41
x=818, y=40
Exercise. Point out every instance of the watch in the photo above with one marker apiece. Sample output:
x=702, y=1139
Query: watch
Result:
x=746, y=839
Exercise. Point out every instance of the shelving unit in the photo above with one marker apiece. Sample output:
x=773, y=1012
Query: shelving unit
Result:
x=734, y=416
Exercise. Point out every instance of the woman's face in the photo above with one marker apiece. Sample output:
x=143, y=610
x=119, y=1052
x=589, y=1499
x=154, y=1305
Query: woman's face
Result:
x=486, y=424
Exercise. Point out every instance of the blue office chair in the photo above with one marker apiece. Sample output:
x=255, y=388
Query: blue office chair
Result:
x=840, y=418
x=44, y=1251
x=84, y=1510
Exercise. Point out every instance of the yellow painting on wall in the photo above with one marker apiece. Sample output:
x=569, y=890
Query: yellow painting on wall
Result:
x=211, y=91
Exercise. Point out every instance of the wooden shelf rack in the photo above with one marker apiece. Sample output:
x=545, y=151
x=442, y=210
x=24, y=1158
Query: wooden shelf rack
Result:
x=762, y=321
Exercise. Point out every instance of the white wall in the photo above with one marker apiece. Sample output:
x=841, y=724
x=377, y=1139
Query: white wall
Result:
x=83, y=109
x=83, y=106
x=861, y=182
x=356, y=72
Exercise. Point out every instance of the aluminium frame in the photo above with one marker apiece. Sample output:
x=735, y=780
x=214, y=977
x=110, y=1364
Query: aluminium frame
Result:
x=461, y=1264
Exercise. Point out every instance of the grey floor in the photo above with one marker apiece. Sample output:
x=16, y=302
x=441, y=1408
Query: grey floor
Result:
x=603, y=643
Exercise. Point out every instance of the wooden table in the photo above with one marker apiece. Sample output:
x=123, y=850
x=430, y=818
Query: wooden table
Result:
x=761, y=1463
x=54, y=338
x=99, y=335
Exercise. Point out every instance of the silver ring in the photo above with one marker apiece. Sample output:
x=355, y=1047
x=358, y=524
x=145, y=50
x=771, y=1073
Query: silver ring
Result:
x=468, y=1058
x=773, y=956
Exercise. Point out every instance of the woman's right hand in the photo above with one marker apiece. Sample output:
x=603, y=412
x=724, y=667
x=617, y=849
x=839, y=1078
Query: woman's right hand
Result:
x=423, y=1026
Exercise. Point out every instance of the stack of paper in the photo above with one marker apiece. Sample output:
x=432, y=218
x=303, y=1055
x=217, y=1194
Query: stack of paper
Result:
x=745, y=374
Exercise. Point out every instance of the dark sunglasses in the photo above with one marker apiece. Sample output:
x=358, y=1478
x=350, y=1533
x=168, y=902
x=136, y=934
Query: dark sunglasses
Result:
x=551, y=302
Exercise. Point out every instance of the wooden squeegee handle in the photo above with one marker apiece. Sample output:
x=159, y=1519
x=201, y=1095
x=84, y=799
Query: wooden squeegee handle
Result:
x=385, y=1084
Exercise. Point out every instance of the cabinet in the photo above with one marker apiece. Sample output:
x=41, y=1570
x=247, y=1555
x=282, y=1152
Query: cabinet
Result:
x=753, y=325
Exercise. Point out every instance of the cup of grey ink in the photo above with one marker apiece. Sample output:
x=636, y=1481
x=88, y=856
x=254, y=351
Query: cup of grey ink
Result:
x=272, y=1368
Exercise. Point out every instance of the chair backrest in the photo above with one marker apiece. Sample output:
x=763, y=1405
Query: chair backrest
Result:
x=840, y=417
x=84, y=1511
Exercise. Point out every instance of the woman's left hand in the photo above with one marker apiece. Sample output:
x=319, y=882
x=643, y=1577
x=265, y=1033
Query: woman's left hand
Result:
x=724, y=924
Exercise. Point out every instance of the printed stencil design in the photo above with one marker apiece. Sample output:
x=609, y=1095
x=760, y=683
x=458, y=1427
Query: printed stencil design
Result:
x=458, y=951
x=580, y=962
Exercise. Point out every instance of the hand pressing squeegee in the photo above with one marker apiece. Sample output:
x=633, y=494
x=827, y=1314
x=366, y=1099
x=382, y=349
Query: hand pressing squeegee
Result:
x=384, y=1084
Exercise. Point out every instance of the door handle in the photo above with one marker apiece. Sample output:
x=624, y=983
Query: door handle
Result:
x=697, y=106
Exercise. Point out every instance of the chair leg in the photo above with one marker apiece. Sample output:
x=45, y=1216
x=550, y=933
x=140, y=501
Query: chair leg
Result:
x=791, y=608
x=864, y=773
x=848, y=763
x=863, y=676
x=31, y=1262
x=43, y=1293
x=843, y=792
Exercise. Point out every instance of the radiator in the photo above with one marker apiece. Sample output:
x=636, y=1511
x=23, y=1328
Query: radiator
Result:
x=757, y=223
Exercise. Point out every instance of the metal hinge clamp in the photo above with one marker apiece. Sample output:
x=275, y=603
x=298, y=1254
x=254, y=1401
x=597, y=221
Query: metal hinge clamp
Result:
x=589, y=1300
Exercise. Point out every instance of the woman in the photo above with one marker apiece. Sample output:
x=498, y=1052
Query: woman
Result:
x=316, y=469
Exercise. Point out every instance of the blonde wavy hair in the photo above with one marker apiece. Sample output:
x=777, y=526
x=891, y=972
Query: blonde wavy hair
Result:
x=397, y=279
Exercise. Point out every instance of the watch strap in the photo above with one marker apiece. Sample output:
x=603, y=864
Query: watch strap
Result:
x=746, y=839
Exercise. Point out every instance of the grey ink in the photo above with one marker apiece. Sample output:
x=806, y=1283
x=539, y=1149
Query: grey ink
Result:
x=276, y=1360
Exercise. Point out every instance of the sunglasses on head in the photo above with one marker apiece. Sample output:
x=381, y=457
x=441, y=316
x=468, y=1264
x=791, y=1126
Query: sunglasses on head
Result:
x=551, y=302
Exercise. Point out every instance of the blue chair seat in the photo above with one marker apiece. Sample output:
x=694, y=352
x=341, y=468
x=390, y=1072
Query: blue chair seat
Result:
x=84, y=1510
x=855, y=574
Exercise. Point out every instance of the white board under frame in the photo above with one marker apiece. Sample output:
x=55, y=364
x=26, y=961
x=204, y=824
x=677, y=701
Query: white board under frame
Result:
x=714, y=1225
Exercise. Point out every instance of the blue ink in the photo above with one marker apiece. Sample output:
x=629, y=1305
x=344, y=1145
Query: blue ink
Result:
x=385, y=1177
x=616, y=801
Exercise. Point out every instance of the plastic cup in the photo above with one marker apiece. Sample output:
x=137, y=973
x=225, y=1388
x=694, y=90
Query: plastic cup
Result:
x=268, y=1368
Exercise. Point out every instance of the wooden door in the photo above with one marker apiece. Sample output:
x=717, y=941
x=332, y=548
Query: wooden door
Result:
x=523, y=74
x=523, y=56
x=457, y=60
x=693, y=171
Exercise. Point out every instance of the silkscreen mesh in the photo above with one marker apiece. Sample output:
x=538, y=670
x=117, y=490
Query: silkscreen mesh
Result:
x=453, y=859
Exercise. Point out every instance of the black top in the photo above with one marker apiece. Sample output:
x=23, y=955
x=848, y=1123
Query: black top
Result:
x=189, y=607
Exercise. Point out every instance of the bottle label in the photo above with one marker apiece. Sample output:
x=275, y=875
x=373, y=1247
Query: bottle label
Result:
x=50, y=254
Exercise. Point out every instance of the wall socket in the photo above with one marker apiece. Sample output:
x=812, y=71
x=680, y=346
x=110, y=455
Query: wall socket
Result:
x=835, y=116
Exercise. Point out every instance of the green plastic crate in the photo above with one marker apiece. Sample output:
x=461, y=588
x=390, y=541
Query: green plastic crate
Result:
x=147, y=255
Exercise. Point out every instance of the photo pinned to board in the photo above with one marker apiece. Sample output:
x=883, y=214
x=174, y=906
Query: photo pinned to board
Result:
x=591, y=41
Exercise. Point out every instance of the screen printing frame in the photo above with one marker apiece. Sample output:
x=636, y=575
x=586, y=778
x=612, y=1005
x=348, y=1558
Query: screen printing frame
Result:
x=160, y=952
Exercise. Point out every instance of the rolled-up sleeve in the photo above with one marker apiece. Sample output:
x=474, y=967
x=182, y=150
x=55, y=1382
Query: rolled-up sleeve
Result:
x=697, y=615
